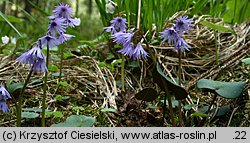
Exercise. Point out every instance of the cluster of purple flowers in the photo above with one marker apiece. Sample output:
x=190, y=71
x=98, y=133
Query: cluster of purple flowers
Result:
x=132, y=49
x=118, y=24
x=174, y=34
x=4, y=95
x=59, y=21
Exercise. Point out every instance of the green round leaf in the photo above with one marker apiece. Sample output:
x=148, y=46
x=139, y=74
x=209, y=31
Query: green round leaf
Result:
x=189, y=106
x=55, y=114
x=133, y=64
x=223, y=110
x=67, y=55
x=29, y=115
x=63, y=83
x=162, y=80
x=147, y=94
x=216, y=26
x=57, y=74
x=58, y=114
x=15, y=86
x=246, y=61
x=223, y=89
x=203, y=109
x=77, y=121
x=53, y=68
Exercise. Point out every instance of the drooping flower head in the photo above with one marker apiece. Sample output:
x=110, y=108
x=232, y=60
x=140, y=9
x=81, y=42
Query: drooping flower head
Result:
x=118, y=24
x=64, y=37
x=40, y=65
x=169, y=34
x=57, y=25
x=48, y=41
x=173, y=37
x=174, y=34
x=181, y=45
x=127, y=50
x=73, y=22
x=31, y=55
x=134, y=51
x=34, y=57
x=131, y=47
x=123, y=38
x=4, y=95
x=63, y=10
x=139, y=52
x=183, y=24
x=61, y=19
x=3, y=106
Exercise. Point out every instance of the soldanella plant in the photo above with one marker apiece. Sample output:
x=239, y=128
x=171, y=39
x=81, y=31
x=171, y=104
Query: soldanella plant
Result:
x=34, y=57
x=128, y=38
x=174, y=35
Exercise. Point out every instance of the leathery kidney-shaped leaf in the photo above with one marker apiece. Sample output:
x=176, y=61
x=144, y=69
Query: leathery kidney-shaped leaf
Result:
x=246, y=61
x=77, y=121
x=12, y=87
x=162, y=80
x=30, y=115
x=147, y=94
x=223, y=110
x=224, y=89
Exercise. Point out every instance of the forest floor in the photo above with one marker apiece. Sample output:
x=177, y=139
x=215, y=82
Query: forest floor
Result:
x=87, y=88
